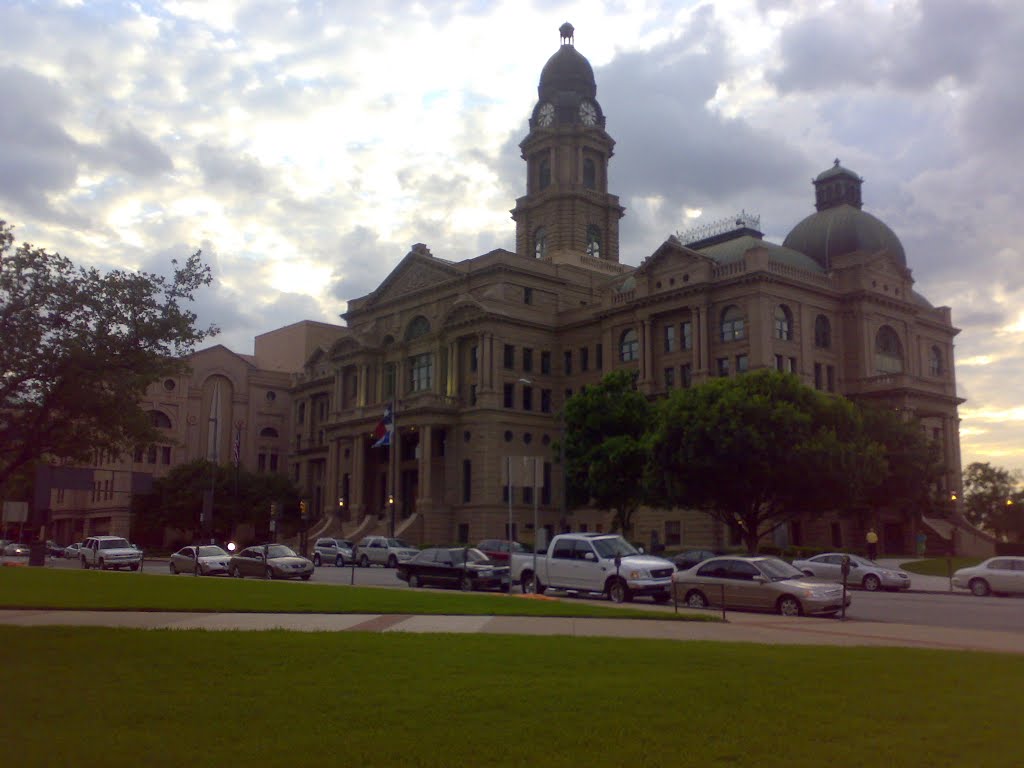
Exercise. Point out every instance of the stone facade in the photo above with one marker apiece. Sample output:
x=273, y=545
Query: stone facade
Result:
x=478, y=356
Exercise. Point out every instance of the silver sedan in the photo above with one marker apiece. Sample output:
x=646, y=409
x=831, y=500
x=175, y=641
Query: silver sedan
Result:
x=999, y=575
x=863, y=572
x=211, y=560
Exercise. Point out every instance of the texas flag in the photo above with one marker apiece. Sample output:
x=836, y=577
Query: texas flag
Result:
x=383, y=431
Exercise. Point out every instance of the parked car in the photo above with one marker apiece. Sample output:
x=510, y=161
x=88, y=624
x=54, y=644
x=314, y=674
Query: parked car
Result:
x=497, y=549
x=53, y=549
x=464, y=567
x=333, y=551
x=757, y=583
x=863, y=572
x=15, y=549
x=270, y=561
x=211, y=560
x=383, y=550
x=997, y=575
x=691, y=557
x=71, y=550
x=109, y=552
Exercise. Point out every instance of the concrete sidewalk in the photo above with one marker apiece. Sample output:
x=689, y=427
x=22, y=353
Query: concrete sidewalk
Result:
x=741, y=628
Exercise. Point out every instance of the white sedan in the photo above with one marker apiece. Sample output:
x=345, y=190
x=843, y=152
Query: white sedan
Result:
x=863, y=572
x=1000, y=575
x=211, y=560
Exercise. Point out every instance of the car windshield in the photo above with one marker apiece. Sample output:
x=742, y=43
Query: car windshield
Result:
x=608, y=548
x=115, y=544
x=212, y=551
x=399, y=543
x=471, y=554
x=779, y=570
x=279, y=550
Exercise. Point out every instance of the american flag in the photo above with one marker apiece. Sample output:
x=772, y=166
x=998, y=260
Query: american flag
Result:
x=382, y=433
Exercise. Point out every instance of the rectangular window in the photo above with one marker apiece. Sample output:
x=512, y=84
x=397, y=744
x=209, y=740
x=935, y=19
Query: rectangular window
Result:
x=584, y=359
x=830, y=376
x=527, y=494
x=165, y=454
x=527, y=359
x=527, y=295
x=837, y=535
x=686, y=335
x=670, y=377
x=510, y=395
x=673, y=533
x=472, y=394
x=568, y=393
x=510, y=356
x=463, y=533
x=599, y=356
x=791, y=365
x=780, y=364
x=467, y=481
x=670, y=338
x=545, y=362
x=527, y=398
x=545, y=401
x=545, y=491
x=474, y=358
x=273, y=462
x=151, y=455
x=567, y=365
x=685, y=375
x=817, y=376
x=723, y=366
x=742, y=363
x=421, y=372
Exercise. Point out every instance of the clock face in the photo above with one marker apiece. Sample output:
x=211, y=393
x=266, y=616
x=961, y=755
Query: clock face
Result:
x=546, y=114
x=588, y=113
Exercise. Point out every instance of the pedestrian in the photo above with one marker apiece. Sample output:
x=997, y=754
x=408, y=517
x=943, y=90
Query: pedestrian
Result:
x=872, y=540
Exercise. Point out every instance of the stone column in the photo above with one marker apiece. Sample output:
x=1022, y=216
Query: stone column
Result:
x=357, y=484
x=424, y=499
x=364, y=378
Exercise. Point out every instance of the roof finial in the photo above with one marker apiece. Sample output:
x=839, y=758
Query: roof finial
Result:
x=565, y=33
x=835, y=162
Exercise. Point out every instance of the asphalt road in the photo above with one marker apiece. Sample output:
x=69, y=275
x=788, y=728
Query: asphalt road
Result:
x=959, y=609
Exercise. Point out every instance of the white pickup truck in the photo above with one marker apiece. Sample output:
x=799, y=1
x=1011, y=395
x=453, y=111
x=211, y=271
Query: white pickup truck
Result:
x=598, y=563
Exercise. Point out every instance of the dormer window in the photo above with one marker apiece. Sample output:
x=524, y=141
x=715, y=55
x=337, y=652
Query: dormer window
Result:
x=589, y=174
x=594, y=241
x=540, y=243
x=544, y=174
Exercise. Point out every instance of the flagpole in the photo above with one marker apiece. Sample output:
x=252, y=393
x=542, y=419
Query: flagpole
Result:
x=393, y=456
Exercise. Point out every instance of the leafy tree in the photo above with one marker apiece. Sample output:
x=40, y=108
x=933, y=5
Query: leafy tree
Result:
x=81, y=347
x=757, y=450
x=987, y=491
x=239, y=497
x=604, y=449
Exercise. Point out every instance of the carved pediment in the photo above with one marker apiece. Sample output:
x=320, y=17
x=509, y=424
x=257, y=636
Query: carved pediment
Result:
x=416, y=272
x=670, y=255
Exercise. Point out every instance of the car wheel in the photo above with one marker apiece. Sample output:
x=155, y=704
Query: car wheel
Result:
x=872, y=583
x=268, y=573
x=808, y=572
x=134, y=566
x=339, y=561
x=364, y=561
x=173, y=568
x=316, y=560
x=85, y=564
x=506, y=588
x=618, y=592
x=305, y=576
x=414, y=581
x=979, y=587
x=789, y=606
x=466, y=584
x=198, y=571
x=696, y=600
x=530, y=585
x=234, y=572
x=102, y=567
x=392, y=562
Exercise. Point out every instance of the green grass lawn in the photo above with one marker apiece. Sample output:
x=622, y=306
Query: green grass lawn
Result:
x=110, y=590
x=938, y=566
x=79, y=696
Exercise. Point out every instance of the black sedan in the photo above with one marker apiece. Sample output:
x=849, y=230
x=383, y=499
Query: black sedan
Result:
x=270, y=561
x=463, y=567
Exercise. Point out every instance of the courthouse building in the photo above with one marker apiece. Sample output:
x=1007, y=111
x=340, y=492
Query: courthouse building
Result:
x=479, y=356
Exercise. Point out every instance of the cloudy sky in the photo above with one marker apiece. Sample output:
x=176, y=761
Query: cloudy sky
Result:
x=305, y=145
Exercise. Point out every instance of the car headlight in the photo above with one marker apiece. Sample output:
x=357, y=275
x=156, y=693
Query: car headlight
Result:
x=639, y=574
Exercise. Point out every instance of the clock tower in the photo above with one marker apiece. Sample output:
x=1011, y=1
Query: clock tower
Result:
x=567, y=211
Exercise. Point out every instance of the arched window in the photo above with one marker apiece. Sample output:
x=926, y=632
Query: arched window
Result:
x=888, y=351
x=822, y=332
x=594, y=241
x=419, y=326
x=589, y=174
x=159, y=419
x=783, y=323
x=733, y=327
x=269, y=432
x=387, y=341
x=935, y=363
x=629, y=346
x=544, y=173
x=540, y=243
